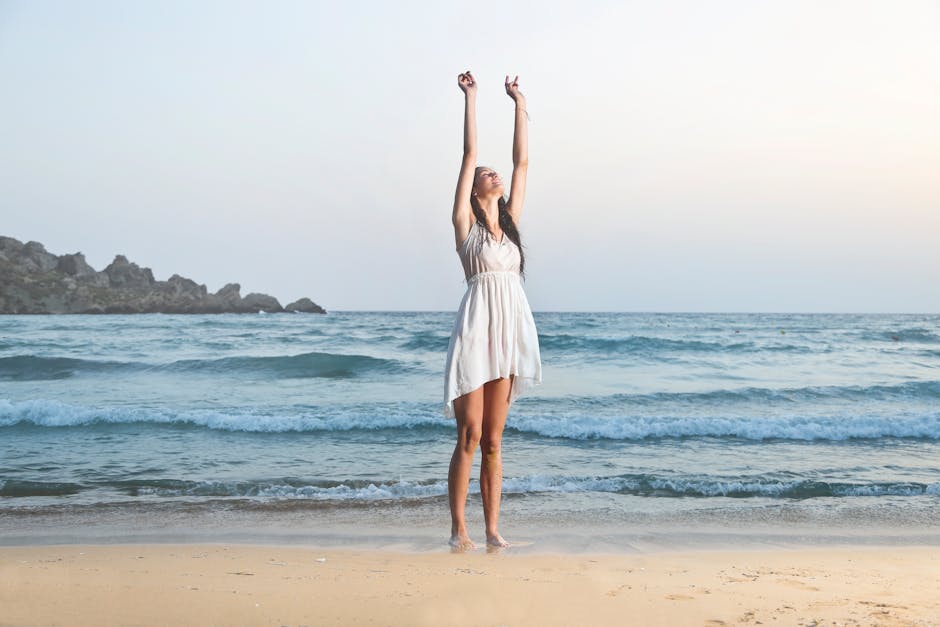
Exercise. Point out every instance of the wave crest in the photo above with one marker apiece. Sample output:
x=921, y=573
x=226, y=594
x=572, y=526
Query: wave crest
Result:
x=49, y=413
x=642, y=485
x=312, y=364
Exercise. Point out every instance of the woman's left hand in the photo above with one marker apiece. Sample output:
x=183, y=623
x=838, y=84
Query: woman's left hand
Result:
x=512, y=88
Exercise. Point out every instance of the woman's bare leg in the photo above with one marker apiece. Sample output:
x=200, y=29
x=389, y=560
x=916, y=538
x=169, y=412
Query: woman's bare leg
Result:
x=495, y=410
x=469, y=413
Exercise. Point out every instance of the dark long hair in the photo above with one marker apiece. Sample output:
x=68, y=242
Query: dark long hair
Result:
x=505, y=223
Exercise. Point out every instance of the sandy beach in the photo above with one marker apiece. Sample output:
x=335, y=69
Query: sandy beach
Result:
x=202, y=584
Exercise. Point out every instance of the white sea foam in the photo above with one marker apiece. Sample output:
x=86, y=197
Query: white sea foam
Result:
x=750, y=428
x=640, y=485
x=51, y=413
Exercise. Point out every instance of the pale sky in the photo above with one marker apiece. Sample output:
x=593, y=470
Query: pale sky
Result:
x=684, y=156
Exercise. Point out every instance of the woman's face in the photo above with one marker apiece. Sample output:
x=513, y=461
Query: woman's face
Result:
x=488, y=181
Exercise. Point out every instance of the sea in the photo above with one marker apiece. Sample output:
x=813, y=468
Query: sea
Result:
x=649, y=430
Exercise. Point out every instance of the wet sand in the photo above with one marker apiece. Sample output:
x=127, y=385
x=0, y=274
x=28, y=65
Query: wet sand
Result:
x=202, y=584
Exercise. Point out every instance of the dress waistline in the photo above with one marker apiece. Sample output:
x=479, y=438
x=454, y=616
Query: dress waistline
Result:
x=492, y=273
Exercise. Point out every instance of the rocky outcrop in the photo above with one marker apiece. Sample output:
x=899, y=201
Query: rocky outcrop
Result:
x=124, y=274
x=34, y=281
x=75, y=265
x=304, y=305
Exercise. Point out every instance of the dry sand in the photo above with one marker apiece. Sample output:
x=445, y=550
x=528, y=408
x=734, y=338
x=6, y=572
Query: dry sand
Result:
x=272, y=585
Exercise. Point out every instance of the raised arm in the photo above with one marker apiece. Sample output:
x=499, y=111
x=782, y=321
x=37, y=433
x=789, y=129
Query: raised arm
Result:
x=520, y=151
x=463, y=213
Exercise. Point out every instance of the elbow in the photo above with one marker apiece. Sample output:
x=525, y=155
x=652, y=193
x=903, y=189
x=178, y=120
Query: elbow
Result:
x=521, y=163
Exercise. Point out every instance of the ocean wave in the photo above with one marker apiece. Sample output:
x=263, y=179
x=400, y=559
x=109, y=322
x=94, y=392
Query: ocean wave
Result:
x=16, y=488
x=655, y=486
x=727, y=398
x=913, y=334
x=316, y=490
x=369, y=491
x=645, y=345
x=34, y=368
x=747, y=428
x=431, y=341
x=50, y=413
x=312, y=364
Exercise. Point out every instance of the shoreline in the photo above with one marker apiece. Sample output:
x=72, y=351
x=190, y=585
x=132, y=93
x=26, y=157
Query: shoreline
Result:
x=425, y=528
x=430, y=534
x=231, y=583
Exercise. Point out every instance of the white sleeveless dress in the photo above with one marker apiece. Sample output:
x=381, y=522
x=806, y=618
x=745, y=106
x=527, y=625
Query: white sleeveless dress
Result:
x=494, y=334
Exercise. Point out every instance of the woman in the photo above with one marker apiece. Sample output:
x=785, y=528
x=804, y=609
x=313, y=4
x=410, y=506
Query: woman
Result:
x=493, y=355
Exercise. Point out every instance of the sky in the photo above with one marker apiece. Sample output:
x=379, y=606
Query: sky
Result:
x=721, y=156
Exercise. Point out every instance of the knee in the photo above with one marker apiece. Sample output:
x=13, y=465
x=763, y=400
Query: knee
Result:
x=490, y=445
x=469, y=438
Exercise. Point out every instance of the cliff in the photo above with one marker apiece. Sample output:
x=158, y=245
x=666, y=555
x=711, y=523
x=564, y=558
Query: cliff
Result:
x=34, y=281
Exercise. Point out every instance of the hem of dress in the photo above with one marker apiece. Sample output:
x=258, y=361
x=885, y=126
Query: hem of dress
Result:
x=520, y=385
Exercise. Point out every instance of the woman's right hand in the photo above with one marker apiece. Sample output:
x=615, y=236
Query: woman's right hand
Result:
x=467, y=83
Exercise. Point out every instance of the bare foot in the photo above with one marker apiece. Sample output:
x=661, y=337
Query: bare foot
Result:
x=460, y=542
x=496, y=540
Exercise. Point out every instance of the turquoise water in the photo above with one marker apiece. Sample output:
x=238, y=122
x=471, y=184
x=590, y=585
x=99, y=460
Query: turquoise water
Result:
x=643, y=422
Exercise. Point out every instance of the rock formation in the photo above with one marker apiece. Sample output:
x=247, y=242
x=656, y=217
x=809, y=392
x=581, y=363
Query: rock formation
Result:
x=34, y=281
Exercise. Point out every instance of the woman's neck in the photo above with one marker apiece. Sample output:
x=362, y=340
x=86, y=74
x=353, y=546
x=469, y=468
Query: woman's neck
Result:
x=491, y=211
